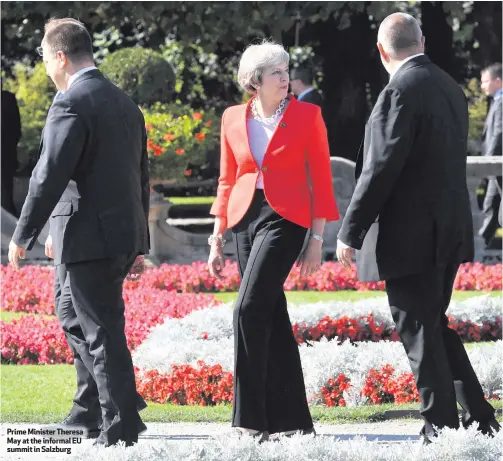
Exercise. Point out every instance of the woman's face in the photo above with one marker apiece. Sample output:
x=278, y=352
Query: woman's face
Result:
x=275, y=80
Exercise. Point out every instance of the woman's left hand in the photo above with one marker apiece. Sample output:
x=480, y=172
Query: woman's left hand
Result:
x=310, y=261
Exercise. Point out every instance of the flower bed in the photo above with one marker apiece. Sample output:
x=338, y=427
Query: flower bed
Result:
x=345, y=374
x=331, y=277
x=32, y=288
x=475, y=319
x=32, y=339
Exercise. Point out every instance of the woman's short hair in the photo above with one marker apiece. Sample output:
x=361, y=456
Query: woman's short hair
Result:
x=255, y=59
x=69, y=36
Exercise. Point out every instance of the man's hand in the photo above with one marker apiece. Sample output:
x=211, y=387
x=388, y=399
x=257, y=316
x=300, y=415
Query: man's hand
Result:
x=345, y=256
x=137, y=269
x=15, y=252
x=49, y=250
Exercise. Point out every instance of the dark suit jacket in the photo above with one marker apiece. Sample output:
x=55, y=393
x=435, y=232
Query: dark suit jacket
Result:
x=314, y=97
x=412, y=174
x=492, y=134
x=94, y=135
x=11, y=132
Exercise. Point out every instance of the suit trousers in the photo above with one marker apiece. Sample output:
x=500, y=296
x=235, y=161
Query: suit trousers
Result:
x=269, y=391
x=438, y=359
x=90, y=309
x=491, y=209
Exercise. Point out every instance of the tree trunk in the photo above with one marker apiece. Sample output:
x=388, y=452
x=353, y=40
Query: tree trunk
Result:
x=439, y=36
x=351, y=70
x=487, y=16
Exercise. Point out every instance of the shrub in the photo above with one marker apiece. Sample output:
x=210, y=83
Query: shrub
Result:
x=178, y=135
x=477, y=109
x=34, y=92
x=142, y=73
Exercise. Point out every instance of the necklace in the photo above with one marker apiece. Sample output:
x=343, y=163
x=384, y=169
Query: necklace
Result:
x=268, y=120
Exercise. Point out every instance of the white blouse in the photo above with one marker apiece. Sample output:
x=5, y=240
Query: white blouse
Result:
x=259, y=135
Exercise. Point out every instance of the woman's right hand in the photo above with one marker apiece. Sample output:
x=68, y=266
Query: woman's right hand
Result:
x=216, y=260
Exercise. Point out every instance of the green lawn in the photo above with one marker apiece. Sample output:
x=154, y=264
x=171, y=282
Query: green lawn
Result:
x=191, y=200
x=304, y=297
x=43, y=394
x=8, y=316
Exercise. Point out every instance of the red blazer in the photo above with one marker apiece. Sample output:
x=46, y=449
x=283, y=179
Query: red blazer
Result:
x=300, y=138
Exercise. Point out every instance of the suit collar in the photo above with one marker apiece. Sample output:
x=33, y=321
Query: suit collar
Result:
x=414, y=62
x=85, y=76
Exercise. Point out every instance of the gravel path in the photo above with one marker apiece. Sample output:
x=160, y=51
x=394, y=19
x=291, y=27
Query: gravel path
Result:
x=390, y=431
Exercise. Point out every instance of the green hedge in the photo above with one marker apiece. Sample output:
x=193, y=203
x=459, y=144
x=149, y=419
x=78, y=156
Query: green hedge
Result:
x=34, y=91
x=142, y=73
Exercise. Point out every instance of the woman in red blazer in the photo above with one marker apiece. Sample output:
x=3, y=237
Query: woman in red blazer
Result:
x=275, y=187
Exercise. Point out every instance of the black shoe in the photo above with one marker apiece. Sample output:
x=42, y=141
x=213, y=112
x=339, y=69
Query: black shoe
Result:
x=103, y=442
x=280, y=435
x=489, y=428
x=91, y=429
x=260, y=437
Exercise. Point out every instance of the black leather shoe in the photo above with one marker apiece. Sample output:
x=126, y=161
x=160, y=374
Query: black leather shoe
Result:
x=280, y=435
x=260, y=437
x=102, y=441
x=71, y=422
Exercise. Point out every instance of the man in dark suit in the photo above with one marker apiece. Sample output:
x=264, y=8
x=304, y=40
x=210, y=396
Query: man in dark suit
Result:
x=11, y=133
x=301, y=82
x=412, y=176
x=92, y=180
x=491, y=79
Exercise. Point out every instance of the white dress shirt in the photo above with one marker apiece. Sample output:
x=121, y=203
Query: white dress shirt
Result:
x=341, y=244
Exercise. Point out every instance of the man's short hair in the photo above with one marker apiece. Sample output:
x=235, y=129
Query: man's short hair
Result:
x=69, y=36
x=303, y=73
x=494, y=70
x=400, y=33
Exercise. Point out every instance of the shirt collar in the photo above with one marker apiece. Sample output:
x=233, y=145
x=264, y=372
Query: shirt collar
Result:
x=76, y=75
x=403, y=62
x=301, y=95
x=498, y=94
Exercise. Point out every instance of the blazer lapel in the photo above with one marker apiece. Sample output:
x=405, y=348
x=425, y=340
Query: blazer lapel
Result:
x=279, y=136
x=281, y=132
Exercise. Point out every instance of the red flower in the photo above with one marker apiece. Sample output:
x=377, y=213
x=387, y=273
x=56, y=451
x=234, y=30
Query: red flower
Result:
x=208, y=123
x=148, y=127
x=197, y=116
x=169, y=137
x=180, y=151
x=200, y=136
x=158, y=151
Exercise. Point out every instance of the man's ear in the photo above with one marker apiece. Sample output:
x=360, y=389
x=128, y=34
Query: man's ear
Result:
x=383, y=53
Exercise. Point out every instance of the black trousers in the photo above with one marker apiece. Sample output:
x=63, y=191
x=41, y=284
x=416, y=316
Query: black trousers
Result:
x=490, y=209
x=90, y=309
x=269, y=391
x=436, y=353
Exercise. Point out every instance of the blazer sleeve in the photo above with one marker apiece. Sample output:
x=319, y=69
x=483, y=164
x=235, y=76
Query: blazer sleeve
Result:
x=323, y=202
x=391, y=137
x=494, y=144
x=65, y=136
x=228, y=171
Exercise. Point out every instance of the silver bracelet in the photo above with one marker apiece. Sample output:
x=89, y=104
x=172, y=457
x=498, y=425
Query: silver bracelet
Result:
x=317, y=237
x=212, y=238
